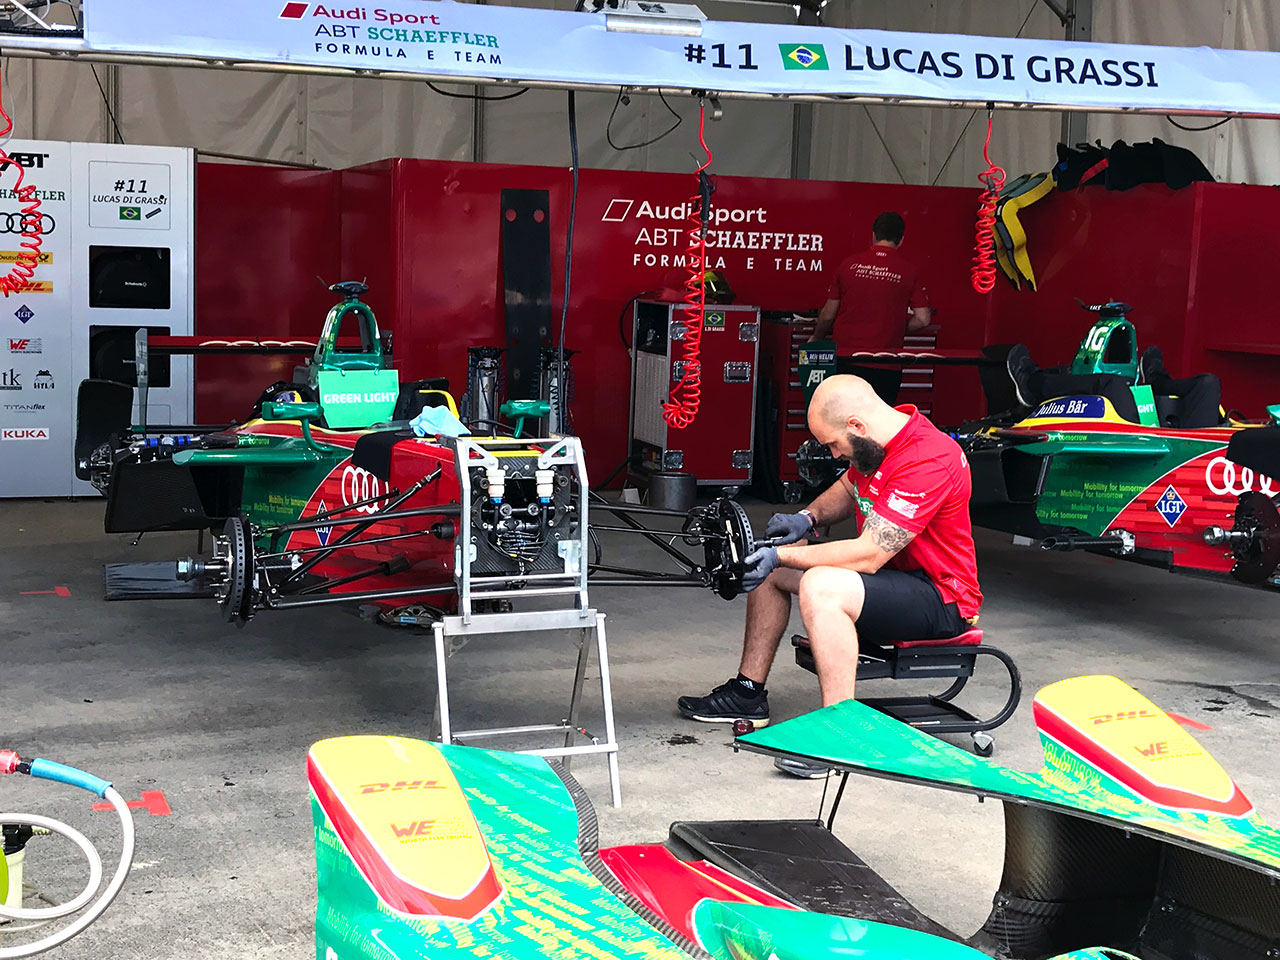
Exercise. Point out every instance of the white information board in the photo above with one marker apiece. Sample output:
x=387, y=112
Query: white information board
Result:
x=109, y=213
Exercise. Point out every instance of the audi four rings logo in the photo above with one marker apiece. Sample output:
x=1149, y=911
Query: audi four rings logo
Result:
x=1224, y=477
x=359, y=484
x=11, y=222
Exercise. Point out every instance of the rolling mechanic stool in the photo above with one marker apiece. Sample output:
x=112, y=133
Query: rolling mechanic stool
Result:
x=952, y=657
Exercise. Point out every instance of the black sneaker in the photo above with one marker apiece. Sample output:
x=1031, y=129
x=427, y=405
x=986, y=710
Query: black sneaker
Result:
x=1151, y=365
x=807, y=769
x=1021, y=367
x=725, y=704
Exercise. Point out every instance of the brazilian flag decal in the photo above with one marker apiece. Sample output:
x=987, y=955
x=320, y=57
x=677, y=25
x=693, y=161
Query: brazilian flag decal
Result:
x=803, y=56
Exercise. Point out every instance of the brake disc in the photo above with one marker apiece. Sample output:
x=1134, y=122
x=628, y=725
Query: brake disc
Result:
x=729, y=544
x=1258, y=554
x=237, y=600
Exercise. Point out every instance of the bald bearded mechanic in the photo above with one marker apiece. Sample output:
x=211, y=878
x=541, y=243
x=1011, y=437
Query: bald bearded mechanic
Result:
x=910, y=574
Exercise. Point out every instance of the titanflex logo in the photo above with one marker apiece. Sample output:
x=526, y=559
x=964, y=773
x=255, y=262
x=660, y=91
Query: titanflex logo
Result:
x=293, y=11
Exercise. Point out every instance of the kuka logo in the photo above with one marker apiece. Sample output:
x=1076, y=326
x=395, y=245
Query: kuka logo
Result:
x=417, y=828
x=25, y=433
x=400, y=785
x=1158, y=749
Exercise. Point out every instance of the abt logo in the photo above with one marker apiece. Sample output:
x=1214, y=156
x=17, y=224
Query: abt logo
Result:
x=25, y=433
x=417, y=828
x=400, y=785
x=29, y=161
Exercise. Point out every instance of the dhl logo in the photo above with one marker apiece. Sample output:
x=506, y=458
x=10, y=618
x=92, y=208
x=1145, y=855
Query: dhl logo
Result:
x=400, y=785
x=1122, y=715
x=416, y=828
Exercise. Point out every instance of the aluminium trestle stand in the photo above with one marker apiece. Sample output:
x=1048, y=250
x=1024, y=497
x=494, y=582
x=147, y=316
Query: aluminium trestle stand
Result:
x=453, y=632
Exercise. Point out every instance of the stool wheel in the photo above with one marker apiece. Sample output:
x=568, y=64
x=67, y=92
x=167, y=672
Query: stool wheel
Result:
x=984, y=745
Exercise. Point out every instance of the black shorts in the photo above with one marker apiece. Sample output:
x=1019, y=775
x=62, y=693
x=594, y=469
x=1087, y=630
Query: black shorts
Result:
x=905, y=606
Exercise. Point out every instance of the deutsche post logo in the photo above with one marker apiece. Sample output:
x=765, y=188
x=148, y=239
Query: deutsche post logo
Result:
x=803, y=56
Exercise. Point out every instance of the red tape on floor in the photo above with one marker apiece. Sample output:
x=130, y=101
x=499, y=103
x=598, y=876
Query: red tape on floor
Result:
x=152, y=801
x=1188, y=722
x=55, y=592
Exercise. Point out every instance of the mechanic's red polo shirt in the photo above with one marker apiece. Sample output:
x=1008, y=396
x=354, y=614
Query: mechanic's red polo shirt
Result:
x=923, y=486
x=874, y=288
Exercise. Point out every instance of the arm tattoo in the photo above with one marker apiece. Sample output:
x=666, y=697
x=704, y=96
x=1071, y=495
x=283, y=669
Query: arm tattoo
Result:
x=889, y=537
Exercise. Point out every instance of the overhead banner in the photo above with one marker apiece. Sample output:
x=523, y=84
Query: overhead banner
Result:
x=481, y=41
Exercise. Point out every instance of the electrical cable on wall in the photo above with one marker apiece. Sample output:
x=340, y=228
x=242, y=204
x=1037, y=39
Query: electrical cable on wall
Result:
x=983, y=271
x=19, y=276
x=682, y=407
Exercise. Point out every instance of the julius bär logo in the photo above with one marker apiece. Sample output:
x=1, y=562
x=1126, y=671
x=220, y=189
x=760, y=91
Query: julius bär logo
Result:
x=293, y=11
x=43, y=380
x=400, y=785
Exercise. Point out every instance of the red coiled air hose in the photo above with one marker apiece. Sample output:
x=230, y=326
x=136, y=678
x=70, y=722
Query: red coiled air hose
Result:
x=18, y=279
x=682, y=406
x=983, y=271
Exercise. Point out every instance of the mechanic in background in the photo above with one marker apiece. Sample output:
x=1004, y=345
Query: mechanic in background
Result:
x=910, y=574
x=875, y=299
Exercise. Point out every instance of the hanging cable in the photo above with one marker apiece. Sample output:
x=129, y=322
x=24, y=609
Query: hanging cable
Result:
x=562, y=395
x=1183, y=126
x=679, y=411
x=608, y=127
x=983, y=271
x=19, y=276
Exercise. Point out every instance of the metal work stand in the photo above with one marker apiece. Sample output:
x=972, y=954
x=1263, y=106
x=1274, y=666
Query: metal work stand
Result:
x=453, y=632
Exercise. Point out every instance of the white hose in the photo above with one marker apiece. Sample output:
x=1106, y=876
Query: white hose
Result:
x=95, y=863
x=91, y=854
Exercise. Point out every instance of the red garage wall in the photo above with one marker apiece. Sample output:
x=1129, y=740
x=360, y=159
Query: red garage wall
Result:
x=426, y=236
x=263, y=235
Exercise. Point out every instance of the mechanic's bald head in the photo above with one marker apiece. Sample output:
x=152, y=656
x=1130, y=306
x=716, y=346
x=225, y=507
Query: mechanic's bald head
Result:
x=852, y=422
x=842, y=397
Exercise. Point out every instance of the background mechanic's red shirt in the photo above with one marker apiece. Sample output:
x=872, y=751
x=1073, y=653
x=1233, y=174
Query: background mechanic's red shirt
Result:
x=923, y=486
x=874, y=288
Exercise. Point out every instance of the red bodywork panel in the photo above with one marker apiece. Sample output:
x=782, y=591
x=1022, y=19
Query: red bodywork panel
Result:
x=671, y=887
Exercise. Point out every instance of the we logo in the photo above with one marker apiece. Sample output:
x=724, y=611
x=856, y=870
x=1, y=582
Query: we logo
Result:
x=1158, y=749
x=416, y=828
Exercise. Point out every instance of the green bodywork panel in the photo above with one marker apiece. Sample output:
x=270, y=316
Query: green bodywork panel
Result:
x=745, y=931
x=1110, y=346
x=856, y=737
x=357, y=398
x=1094, y=476
x=817, y=361
x=552, y=905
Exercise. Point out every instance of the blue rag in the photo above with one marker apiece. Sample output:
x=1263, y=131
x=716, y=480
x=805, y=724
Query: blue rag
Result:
x=437, y=421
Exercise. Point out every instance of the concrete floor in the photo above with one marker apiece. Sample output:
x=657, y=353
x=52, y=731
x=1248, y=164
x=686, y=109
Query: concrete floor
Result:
x=164, y=696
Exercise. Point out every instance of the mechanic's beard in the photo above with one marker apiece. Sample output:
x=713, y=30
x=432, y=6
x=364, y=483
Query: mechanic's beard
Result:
x=867, y=454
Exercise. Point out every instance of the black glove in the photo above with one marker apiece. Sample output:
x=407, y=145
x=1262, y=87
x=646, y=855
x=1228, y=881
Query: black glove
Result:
x=786, y=528
x=758, y=565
